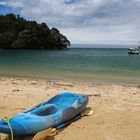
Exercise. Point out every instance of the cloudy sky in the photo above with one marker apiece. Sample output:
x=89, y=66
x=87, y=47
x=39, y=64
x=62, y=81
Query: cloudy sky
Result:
x=84, y=21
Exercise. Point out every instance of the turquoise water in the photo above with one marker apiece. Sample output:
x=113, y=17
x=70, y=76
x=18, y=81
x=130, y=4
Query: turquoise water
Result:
x=97, y=64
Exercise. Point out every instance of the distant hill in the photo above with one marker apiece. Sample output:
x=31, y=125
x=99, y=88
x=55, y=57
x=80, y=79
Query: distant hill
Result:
x=18, y=33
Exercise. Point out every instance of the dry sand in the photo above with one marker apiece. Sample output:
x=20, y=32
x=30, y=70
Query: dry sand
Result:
x=117, y=107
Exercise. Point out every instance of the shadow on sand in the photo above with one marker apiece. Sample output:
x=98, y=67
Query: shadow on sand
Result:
x=28, y=138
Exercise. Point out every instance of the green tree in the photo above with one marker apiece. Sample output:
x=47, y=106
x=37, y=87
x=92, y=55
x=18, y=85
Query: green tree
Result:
x=18, y=33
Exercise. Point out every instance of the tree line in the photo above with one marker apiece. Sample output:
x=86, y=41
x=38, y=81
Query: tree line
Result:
x=18, y=33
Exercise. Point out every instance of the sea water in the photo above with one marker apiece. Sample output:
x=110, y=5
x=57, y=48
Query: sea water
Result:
x=82, y=64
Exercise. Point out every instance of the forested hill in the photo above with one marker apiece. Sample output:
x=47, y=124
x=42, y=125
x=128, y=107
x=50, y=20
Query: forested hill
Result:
x=18, y=33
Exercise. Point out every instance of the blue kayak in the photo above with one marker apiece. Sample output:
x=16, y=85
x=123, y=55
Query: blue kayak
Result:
x=59, y=109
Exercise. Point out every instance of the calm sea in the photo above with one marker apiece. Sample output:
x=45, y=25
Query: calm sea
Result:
x=90, y=64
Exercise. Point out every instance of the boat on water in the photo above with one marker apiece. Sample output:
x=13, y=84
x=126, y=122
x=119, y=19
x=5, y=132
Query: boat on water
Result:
x=50, y=114
x=135, y=51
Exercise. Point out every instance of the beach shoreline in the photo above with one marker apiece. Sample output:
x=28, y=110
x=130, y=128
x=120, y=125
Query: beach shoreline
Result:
x=72, y=80
x=116, y=106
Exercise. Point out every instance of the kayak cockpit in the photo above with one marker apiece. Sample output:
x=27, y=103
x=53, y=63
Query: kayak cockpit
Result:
x=45, y=110
x=59, y=102
x=63, y=101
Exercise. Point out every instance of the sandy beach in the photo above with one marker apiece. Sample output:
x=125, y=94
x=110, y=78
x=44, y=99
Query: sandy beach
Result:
x=117, y=107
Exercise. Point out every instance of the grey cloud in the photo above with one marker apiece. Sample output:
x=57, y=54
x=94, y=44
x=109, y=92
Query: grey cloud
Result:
x=86, y=21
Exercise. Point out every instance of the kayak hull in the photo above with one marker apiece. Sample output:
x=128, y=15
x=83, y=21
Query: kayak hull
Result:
x=61, y=108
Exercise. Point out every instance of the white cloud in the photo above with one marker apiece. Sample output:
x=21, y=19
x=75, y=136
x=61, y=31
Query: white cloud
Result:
x=109, y=35
x=86, y=21
x=2, y=3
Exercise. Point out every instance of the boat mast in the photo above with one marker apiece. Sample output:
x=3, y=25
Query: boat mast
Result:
x=139, y=46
